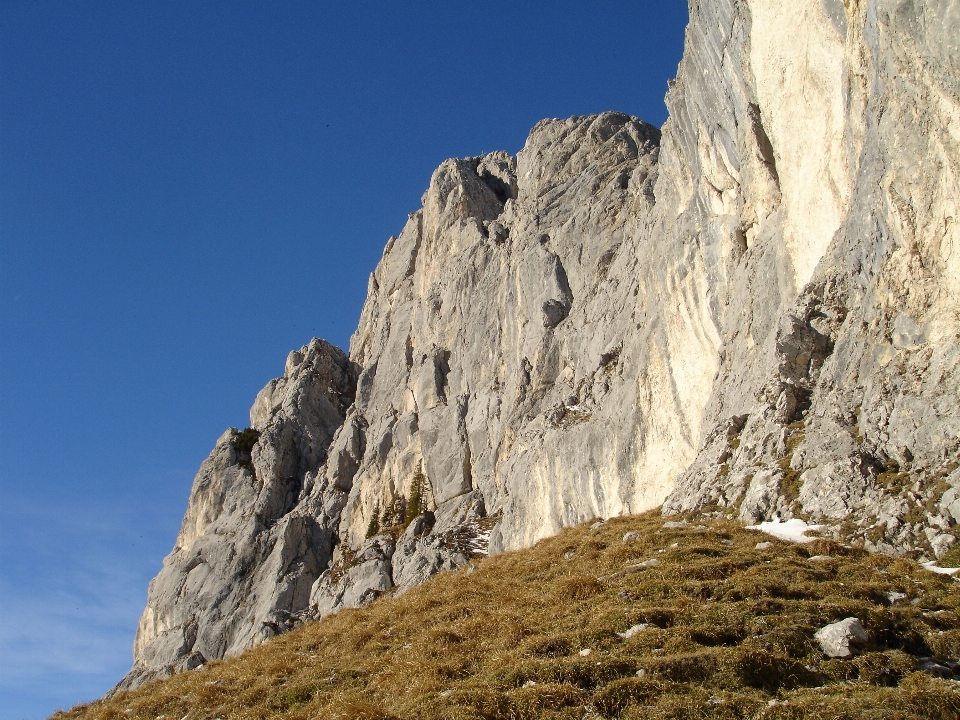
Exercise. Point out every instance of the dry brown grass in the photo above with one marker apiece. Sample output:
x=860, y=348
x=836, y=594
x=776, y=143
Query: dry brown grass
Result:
x=730, y=636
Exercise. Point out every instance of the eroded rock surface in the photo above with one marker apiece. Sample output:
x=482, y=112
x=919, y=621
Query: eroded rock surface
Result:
x=842, y=639
x=753, y=311
x=241, y=554
x=845, y=409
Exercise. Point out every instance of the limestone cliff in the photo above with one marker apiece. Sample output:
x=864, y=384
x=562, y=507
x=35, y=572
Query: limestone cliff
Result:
x=752, y=311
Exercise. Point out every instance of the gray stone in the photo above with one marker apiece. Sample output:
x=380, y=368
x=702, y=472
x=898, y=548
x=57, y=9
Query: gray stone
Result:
x=936, y=669
x=241, y=553
x=941, y=544
x=354, y=578
x=420, y=555
x=841, y=639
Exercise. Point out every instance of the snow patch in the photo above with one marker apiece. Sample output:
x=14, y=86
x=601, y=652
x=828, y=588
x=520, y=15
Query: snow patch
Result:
x=933, y=567
x=630, y=632
x=792, y=530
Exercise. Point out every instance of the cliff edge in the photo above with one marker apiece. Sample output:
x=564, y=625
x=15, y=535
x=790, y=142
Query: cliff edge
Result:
x=753, y=312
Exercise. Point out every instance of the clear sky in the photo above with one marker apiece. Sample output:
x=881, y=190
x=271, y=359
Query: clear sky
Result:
x=188, y=191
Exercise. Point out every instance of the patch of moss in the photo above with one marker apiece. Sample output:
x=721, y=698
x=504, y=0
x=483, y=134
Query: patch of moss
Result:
x=857, y=437
x=916, y=514
x=884, y=668
x=790, y=484
x=875, y=534
x=952, y=557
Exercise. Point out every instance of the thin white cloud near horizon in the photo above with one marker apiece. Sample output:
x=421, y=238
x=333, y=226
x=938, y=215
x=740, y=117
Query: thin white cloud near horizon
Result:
x=66, y=637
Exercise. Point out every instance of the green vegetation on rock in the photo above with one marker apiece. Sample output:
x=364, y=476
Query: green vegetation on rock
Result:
x=245, y=440
x=417, y=502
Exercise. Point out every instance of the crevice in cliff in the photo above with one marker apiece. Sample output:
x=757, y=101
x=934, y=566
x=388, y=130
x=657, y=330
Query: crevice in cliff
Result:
x=418, y=242
x=441, y=369
x=764, y=145
x=556, y=309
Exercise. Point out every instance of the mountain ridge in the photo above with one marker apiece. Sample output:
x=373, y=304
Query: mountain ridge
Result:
x=750, y=313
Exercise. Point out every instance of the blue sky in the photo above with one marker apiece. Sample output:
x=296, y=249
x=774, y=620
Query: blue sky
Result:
x=188, y=191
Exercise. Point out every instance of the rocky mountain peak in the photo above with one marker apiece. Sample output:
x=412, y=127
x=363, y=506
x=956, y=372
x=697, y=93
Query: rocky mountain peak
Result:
x=751, y=313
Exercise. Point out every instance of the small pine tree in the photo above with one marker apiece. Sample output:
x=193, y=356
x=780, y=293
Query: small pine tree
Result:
x=399, y=511
x=391, y=516
x=416, y=502
x=374, y=527
x=385, y=519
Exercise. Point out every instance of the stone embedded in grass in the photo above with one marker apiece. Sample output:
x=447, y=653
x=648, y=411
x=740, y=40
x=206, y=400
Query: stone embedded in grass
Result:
x=941, y=544
x=631, y=631
x=819, y=558
x=585, y=652
x=763, y=546
x=674, y=524
x=932, y=667
x=631, y=537
x=840, y=639
x=895, y=597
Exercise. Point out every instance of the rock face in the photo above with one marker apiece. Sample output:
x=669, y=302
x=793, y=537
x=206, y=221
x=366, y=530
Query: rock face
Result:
x=844, y=407
x=241, y=554
x=753, y=311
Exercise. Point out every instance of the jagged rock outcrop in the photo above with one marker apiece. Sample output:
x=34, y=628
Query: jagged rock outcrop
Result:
x=754, y=312
x=241, y=554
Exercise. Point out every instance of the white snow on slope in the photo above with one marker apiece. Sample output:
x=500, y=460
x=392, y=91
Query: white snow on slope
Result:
x=933, y=567
x=792, y=530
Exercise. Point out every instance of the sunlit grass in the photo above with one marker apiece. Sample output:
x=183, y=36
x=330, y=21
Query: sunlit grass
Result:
x=534, y=634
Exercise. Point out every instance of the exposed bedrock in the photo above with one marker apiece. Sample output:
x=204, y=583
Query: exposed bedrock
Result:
x=753, y=311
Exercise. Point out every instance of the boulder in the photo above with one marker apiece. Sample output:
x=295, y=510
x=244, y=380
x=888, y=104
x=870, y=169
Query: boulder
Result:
x=841, y=639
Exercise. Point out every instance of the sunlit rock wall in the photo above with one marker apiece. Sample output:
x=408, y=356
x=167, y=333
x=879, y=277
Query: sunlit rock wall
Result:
x=752, y=311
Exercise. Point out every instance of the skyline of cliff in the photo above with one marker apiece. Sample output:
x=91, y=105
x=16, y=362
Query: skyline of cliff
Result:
x=186, y=198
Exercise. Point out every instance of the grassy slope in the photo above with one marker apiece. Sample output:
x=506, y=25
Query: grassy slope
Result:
x=730, y=636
